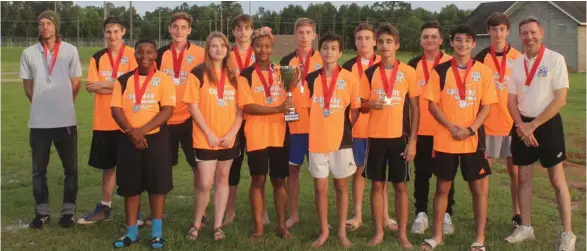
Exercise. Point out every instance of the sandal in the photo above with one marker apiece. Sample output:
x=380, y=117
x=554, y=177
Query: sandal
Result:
x=219, y=234
x=124, y=241
x=353, y=225
x=157, y=242
x=476, y=246
x=430, y=243
x=391, y=225
x=255, y=237
x=193, y=233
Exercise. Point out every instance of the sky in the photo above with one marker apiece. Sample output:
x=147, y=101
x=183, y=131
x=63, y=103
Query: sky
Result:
x=144, y=6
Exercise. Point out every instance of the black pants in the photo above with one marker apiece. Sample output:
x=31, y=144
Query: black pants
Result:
x=65, y=140
x=234, y=177
x=424, y=165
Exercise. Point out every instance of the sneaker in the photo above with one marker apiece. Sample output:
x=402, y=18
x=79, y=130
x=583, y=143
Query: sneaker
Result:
x=66, y=220
x=101, y=213
x=39, y=221
x=567, y=242
x=516, y=221
x=520, y=234
x=420, y=224
x=447, y=227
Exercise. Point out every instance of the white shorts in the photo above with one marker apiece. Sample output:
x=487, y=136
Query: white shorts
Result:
x=341, y=163
x=498, y=146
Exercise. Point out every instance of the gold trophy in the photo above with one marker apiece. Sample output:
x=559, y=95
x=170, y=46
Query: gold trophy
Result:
x=288, y=77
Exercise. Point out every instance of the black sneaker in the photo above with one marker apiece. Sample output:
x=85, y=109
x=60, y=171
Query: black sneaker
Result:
x=39, y=221
x=516, y=221
x=66, y=220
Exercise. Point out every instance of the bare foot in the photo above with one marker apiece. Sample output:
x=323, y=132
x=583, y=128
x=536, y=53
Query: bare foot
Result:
x=377, y=239
x=320, y=241
x=345, y=242
x=291, y=222
x=284, y=234
x=266, y=220
x=405, y=243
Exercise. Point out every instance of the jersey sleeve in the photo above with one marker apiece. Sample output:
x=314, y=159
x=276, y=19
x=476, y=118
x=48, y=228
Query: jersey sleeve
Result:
x=244, y=93
x=93, y=71
x=192, y=92
x=560, y=76
x=116, y=100
x=414, y=89
x=168, y=97
x=432, y=89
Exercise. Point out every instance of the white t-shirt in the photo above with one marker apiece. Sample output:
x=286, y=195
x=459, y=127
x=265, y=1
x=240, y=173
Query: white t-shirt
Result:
x=551, y=75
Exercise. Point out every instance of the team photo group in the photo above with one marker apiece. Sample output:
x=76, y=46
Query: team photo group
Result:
x=363, y=121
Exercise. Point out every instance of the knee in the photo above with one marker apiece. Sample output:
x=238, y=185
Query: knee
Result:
x=257, y=183
x=342, y=189
x=479, y=192
x=400, y=188
x=278, y=183
x=443, y=187
x=377, y=187
x=558, y=183
x=524, y=178
x=205, y=185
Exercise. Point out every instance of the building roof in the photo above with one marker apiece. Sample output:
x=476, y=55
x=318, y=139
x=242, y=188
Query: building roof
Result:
x=477, y=19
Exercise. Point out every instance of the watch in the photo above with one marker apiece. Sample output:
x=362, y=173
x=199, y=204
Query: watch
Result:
x=471, y=131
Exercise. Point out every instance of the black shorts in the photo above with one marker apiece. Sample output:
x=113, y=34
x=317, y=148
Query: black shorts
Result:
x=182, y=134
x=234, y=177
x=551, y=145
x=220, y=155
x=103, y=150
x=272, y=160
x=149, y=169
x=474, y=166
x=423, y=160
x=384, y=154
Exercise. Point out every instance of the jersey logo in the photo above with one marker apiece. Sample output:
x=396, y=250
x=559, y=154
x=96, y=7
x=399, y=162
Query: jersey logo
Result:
x=124, y=60
x=422, y=82
x=542, y=72
x=476, y=76
x=155, y=81
x=341, y=84
x=317, y=66
x=189, y=59
x=400, y=77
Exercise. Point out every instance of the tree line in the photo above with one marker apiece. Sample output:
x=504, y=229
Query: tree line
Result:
x=19, y=19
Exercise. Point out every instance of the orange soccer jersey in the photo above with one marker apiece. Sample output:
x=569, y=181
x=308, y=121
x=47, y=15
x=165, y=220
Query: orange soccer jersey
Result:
x=159, y=92
x=333, y=131
x=392, y=121
x=499, y=122
x=100, y=69
x=261, y=131
x=303, y=125
x=219, y=117
x=428, y=124
x=193, y=56
x=241, y=60
x=361, y=127
x=442, y=89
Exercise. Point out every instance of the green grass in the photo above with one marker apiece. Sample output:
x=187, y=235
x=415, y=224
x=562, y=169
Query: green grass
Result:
x=17, y=199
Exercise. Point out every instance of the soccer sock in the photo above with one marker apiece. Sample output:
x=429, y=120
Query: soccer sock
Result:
x=156, y=228
x=106, y=203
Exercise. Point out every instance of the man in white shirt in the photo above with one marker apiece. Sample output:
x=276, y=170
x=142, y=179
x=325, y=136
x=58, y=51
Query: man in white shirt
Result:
x=537, y=92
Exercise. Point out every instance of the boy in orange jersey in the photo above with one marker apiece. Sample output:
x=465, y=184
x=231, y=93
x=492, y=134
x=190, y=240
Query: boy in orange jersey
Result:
x=334, y=108
x=177, y=59
x=498, y=125
x=105, y=67
x=430, y=40
x=460, y=92
x=304, y=33
x=142, y=101
x=385, y=87
x=365, y=43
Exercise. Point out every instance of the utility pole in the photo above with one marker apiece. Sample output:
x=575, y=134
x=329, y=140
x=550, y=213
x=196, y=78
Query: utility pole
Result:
x=105, y=13
x=159, y=25
x=221, y=16
x=209, y=26
x=78, y=45
x=131, y=35
x=55, y=6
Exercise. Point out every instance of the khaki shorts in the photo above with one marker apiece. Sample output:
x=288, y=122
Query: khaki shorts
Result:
x=341, y=163
x=498, y=146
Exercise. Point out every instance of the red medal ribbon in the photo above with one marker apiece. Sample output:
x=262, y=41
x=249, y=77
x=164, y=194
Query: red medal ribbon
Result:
x=115, y=64
x=139, y=91
x=530, y=76
x=220, y=84
x=387, y=84
x=461, y=84
x=239, y=61
x=55, y=55
x=329, y=90
x=306, y=63
x=425, y=65
x=500, y=68
x=177, y=60
x=266, y=84
x=360, y=64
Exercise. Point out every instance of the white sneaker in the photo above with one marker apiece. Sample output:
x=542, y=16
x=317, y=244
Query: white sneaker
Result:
x=567, y=242
x=420, y=224
x=520, y=234
x=447, y=227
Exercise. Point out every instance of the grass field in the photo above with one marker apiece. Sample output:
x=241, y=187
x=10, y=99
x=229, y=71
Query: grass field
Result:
x=17, y=199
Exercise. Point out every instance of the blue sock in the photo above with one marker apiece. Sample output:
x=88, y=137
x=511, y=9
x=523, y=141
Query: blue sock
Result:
x=156, y=231
x=132, y=232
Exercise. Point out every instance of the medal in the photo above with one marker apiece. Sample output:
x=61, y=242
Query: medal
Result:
x=530, y=76
x=55, y=56
x=115, y=64
x=239, y=61
x=177, y=61
x=266, y=84
x=220, y=87
x=140, y=90
x=387, y=100
x=526, y=89
x=327, y=91
x=463, y=103
x=48, y=79
x=176, y=81
x=388, y=84
x=221, y=102
x=461, y=84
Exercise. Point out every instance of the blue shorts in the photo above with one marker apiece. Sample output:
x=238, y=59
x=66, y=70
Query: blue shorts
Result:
x=298, y=149
x=360, y=150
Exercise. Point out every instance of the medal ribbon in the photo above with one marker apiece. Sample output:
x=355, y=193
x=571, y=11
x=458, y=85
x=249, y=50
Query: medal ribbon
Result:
x=139, y=91
x=306, y=63
x=461, y=83
x=55, y=55
x=530, y=76
x=425, y=65
x=177, y=60
x=115, y=64
x=239, y=61
x=388, y=84
x=500, y=68
x=266, y=84
x=220, y=84
x=360, y=64
x=329, y=90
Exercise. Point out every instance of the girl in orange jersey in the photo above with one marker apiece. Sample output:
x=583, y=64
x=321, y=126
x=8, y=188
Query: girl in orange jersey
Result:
x=211, y=96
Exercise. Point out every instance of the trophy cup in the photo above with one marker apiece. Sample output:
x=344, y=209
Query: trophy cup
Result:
x=289, y=76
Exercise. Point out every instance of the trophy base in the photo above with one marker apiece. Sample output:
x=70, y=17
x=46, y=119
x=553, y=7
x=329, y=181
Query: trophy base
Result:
x=290, y=117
